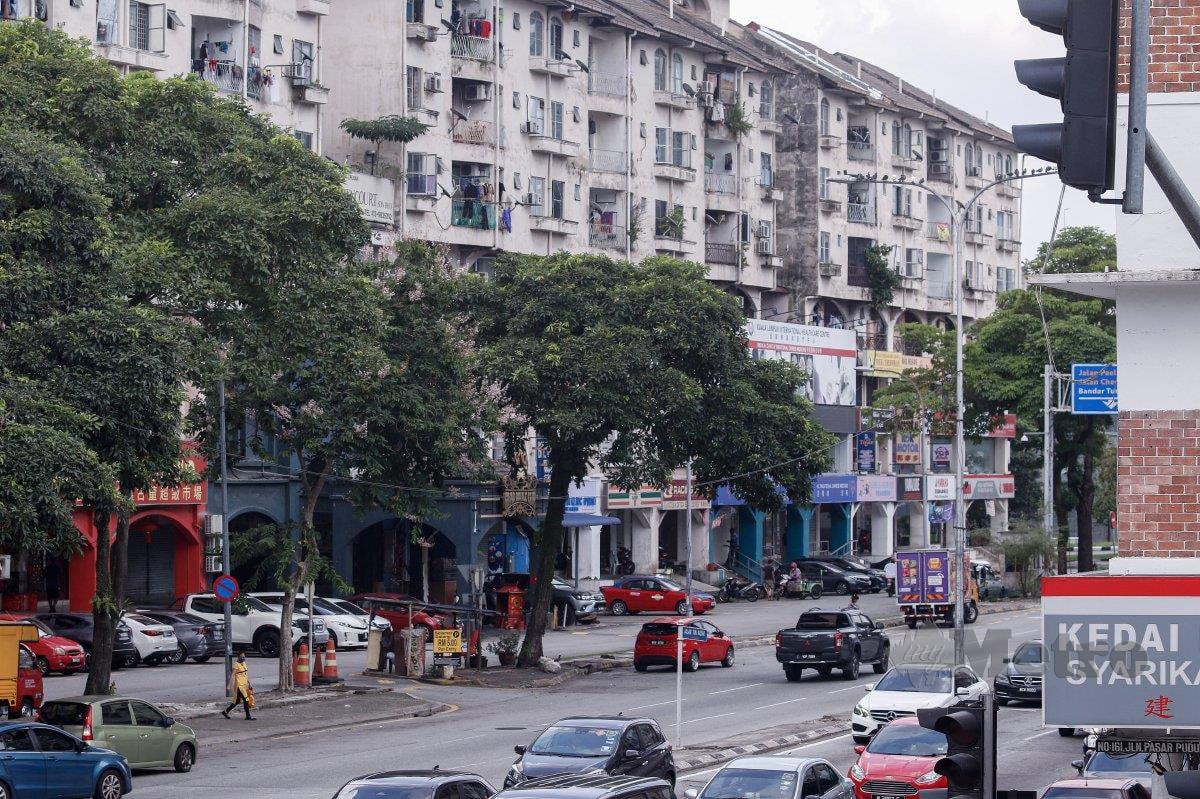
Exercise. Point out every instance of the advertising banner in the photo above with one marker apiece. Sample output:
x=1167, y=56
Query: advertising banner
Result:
x=828, y=355
x=584, y=498
x=910, y=488
x=876, y=488
x=922, y=577
x=883, y=363
x=908, y=577
x=907, y=450
x=833, y=489
x=940, y=456
x=989, y=486
x=376, y=197
x=940, y=487
x=865, y=451
x=1004, y=426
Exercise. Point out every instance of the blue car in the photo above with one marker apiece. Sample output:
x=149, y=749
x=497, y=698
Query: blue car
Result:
x=42, y=762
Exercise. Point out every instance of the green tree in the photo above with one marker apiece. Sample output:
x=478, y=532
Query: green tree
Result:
x=922, y=399
x=882, y=280
x=636, y=368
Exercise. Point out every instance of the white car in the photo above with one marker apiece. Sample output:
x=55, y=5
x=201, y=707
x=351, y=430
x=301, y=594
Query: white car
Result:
x=348, y=607
x=346, y=630
x=255, y=623
x=905, y=689
x=775, y=778
x=154, y=641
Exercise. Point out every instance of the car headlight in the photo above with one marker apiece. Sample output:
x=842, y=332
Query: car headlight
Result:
x=860, y=709
x=856, y=772
x=515, y=774
x=58, y=650
x=1002, y=678
x=928, y=778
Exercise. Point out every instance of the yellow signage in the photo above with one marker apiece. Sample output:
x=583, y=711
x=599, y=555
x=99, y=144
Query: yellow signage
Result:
x=447, y=641
x=882, y=363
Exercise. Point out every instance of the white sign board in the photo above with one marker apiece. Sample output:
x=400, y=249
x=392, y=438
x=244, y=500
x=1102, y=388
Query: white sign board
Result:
x=376, y=197
x=829, y=356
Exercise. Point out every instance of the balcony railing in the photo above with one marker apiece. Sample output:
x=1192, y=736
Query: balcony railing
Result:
x=721, y=253
x=475, y=48
x=606, y=236
x=720, y=183
x=610, y=84
x=473, y=214
x=225, y=76
x=476, y=131
x=940, y=288
x=858, y=276
x=608, y=160
x=938, y=231
x=860, y=212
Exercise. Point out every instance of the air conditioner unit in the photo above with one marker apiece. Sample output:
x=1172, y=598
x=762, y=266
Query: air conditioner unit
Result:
x=533, y=127
x=433, y=82
x=212, y=564
x=708, y=87
x=764, y=229
x=706, y=100
x=212, y=524
x=430, y=33
x=478, y=91
x=764, y=247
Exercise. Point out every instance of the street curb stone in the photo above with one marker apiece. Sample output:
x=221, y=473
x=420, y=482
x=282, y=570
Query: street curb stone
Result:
x=192, y=711
x=817, y=730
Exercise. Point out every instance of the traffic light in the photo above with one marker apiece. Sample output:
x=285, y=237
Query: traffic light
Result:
x=1085, y=81
x=970, y=762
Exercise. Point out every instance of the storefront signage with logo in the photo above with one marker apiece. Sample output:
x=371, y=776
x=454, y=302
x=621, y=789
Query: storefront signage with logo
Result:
x=584, y=498
x=910, y=488
x=376, y=197
x=832, y=489
x=907, y=450
x=192, y=491
x=877, y=488
x=1004, y=426
x=864, y=444
x=989, y=486
x=940, y=487
x=829, y=356
x=940, y=456
x=644, y=497
x=675, y=497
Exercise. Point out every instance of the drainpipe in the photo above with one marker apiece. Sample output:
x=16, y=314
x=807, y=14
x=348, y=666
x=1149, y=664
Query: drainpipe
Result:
x=547, y=199
x=628, y=144
x=320, y=141
x=496, y=48
x=245, y=48
x=737, y=188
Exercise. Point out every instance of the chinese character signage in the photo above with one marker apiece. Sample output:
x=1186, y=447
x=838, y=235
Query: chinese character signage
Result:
x=907, y=450
x=192, y=492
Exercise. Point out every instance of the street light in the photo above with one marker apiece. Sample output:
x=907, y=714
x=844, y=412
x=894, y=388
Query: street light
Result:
x=958, y=225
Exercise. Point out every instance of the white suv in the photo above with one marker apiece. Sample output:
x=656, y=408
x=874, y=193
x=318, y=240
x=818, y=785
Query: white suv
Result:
x=257, y=624
x=905, y=689
x=345, y=630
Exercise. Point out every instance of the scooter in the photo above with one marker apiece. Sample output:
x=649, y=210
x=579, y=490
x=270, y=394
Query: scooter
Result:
x=737, y=587
x=805, y=589
x=625, y=561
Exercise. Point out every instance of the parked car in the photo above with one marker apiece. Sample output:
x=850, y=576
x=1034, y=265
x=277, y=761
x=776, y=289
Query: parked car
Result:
x=899, y=761
x=590, y=786
x=395, y=608
x=1118, y=788
x=434, y=784
x=825, y=640
x=775, y=778
x=1021, y=678
x=144, y=735
x=29, y=686
x=352, y=609
x=78, y=627
x=834, y=580
x=855, y=565
x=904, y=689
x=345, y=630
x=639, y=593
x=255, y=624
x=155, y=642
x=657, y=644
x=51, y=652
x=198, y=639
x=577, y=605
x=37, y=760
x=1102, y=765
x=613, y=745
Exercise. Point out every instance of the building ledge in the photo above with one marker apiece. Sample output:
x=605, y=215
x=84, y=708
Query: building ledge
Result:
x=1106, y=285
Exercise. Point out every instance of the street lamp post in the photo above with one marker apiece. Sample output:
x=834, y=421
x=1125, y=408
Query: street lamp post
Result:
x=958, y=228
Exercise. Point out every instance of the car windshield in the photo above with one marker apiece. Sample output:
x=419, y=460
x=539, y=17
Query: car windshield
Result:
x=821, y=621
x=64, y=714
x=858, y=563
x=563, y=584
x=908, y=740
x=385, y=792
x=1102, y=761
x=577, y=741
x=327, y=608
x=922, y=681
x=41, y=625
x=187, y=618
x=1082, y=793
x=750, y=783
x=254, y=603
x=350, y=607
x=1028, y=655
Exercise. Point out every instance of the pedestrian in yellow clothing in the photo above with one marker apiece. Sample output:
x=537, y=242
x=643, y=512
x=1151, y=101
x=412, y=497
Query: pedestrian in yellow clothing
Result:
x=240, y=690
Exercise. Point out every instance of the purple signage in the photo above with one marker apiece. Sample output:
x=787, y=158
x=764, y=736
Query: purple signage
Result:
x=908, y=577
x=923, y=577
x=936, y=578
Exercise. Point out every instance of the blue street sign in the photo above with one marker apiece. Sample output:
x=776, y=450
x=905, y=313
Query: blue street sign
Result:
x=694, y=633
x=1093, y=388
x=226, y=588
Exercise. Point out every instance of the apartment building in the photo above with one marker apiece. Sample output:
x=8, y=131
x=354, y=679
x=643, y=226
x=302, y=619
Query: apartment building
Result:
x=267, y=51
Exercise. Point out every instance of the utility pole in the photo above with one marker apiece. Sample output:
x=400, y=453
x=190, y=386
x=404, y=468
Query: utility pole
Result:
x=225, y=566
x=959, y=229
x=687, y=576
x=1049, y=524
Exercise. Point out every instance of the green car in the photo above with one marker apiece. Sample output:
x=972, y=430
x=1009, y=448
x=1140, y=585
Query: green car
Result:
x=147, y=737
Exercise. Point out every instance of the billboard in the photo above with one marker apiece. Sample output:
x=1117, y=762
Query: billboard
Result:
x=376, y=197
x=1121, y=651
x=922, y=577
x=940, y=487
x=832, y=489
x=907, y=450
x=876, y=488
x=828, y=355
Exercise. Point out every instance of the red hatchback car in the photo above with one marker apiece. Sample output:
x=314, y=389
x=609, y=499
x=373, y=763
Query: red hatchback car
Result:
x=389, y=607
x=638, y=593
x=51, y=652
x=657, y=644
x=899, y=762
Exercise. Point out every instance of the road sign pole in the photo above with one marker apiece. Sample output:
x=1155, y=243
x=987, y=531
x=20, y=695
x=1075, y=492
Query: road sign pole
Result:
x=679, y=687
x=1049, y=525
x=225, y=566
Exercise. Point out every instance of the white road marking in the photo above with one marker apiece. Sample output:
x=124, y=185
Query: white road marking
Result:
x=784, y=702
x=1040, y=734
x=708, y=718
x=656, y=704
x=739, y=688
x=843, y=690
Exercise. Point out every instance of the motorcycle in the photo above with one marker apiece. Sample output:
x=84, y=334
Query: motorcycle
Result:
x=786, y=587
x=737, y=587
x=625, y=561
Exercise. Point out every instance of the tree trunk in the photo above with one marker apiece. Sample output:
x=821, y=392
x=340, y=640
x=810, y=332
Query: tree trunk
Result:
x=100, y=668
x=1084, y=510
x=297, y=579
x=550, y=542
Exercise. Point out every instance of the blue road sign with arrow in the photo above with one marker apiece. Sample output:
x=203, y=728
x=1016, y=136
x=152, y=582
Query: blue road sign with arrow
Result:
x=1093, y=388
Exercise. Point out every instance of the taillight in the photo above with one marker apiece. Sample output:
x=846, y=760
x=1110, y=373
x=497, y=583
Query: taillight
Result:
x=87, y=725
x=151, y=632
x=778, y=639
x=837, y=640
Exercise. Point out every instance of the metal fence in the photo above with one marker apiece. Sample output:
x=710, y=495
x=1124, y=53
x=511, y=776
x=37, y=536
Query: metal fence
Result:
x=475, y=48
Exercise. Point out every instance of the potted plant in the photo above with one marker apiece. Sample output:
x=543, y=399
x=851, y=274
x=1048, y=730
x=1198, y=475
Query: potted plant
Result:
x=505, y=648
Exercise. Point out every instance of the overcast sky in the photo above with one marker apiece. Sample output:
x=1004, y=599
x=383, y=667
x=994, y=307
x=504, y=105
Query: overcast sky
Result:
x=960, y=49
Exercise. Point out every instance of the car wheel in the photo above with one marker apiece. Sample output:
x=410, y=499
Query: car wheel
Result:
x=109, y=785
x=1066, y=732
x=727, y=661
x=681, y=608
x=817, y=591
x=618, y=608
x=842, y=588
x=671, y=779
x=178, y=656
x=639, y=665
x=970, y=613
x=882, y=665
x=153, y=660
x=912, y=623
x=1001, y=702
x=267, y=643
x=185, y=756
x=793, y=673
x=202, y=659
x=850, y=672
x=693, y=661
x=43, y=665
x=825, y=671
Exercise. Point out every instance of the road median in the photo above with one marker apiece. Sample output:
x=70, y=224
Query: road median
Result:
x=716, y=753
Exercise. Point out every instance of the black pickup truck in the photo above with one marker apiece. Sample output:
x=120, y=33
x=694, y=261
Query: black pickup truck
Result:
x=825, y=640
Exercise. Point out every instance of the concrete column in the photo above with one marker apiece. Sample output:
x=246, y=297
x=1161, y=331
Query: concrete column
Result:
x=839, y=531
x=645, y=538
x=999, y=523
x=700, y=551
x=918, y=520
x=750, y=532
x=799, y=525
x=587, y=552
x=883, y=538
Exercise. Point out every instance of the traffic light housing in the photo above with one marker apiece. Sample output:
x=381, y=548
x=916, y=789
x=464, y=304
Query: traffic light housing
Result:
x=1083, y=145
x=970, y=762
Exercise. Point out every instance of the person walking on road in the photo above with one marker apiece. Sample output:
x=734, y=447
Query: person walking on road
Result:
x=853, y=602
x=240, y=690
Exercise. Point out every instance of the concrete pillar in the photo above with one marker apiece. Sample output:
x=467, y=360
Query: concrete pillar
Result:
x=918, y=520
x=700, y=551
x=645, y=539
x=585, y=543
x=750, y=532
x=999, y=522
x=883, y=538
x=839, y=532
x=799, y=525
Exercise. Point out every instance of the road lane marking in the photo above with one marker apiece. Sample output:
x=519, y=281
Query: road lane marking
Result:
x=739, y=688
x=1040, y=734
x=784, y=702
x=691, y=774
x=708, y=718
x=843, y=690
x=656, y=704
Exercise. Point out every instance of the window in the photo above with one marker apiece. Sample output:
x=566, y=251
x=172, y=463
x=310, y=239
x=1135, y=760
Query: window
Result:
x=516, y=20
x=473, y=790
x=147, y=26
x=766, y=100
x=898, y=139
x=537, y=34
x=412, y=87
x=677, y=73
x=823, y=186
x=305, y=138
x=914, y=259
x=681, y=154
x=277, y=44
x=1006, y=279
x=420, y=179
x=557, y=189
x=556, y=120
x=53, y=741
x=116, y=713
x=414, y=11
x=575, y=38
x=537, y=116
x=906, y=144
x=446, y=791
x=16, y=741
x=824, y=121
x=302, y=57
x=537, y=190
x=660, y=146
x=556, y=38
x=207, y=605
x=146, y=716
x=107, y=21
x=916, y=143
x=901, y=201
x=660, y=71
x=823, y=250
x=646, y=737
x=766, y=170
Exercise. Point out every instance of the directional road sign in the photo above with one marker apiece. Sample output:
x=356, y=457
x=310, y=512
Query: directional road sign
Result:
x=1093, y=388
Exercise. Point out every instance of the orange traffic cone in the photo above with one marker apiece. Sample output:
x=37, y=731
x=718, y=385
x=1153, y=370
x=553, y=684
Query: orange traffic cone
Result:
x=300, y=673
x=330, y=672
x=318, y=663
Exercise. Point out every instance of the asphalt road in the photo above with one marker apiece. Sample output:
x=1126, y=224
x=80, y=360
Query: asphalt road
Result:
x=480, y=733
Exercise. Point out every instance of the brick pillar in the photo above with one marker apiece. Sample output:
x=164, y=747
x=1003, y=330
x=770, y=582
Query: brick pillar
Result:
x=1158, y=483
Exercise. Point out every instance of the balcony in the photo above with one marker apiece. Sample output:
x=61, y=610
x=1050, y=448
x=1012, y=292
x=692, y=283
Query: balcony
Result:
x=860, y=212
x=829, y=269
x=860, y=151
x=767, y=123
x=721, y=253
x=1010, y=189
x=420, y=32
x=608, y=161
x=319, y=8
x=475, y=131
x=974, y=179
x=473, y=214
x=907, y=222
x=606, y=236
x=471, y=48
x=226, y=76
x=720, y=183
x=552, y=224
x=608, y=84
x=1006, y=243
x=770, y=192
x=974, y=234
x=677, y=100
x=675, y=172
x=829, y=205
x=541, y=143
x=673, y=245
x=554, y=67
x=939, y=231
x=939, y=287
x=828, y=141
x=426, y=116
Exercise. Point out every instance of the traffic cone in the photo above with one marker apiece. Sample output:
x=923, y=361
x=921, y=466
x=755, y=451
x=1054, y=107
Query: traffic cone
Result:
x=330, y=672
x=318, y=663
x=300, y=673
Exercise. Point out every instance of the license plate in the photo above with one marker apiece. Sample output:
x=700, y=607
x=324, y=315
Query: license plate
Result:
x=658, y=643
x=808, y=657
x=887, y=796
x=1028, y=690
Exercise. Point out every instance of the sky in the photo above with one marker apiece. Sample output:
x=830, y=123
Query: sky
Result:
x=961, y=49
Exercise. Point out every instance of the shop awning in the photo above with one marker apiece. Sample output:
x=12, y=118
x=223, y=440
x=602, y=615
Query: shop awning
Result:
x=588, y=520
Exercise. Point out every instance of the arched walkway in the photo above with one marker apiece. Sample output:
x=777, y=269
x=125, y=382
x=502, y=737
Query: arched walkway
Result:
x=388, y=556
x=162, y=556
x=247, y=572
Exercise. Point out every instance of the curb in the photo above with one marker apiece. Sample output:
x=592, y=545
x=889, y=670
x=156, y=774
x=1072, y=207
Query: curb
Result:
x=213, y=708
x=824, y=731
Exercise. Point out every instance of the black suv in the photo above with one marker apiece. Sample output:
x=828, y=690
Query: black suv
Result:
x=854, y=565
x=590, y=786
x=614, y=745
x=433, y=784
x=79, y=627
x=834, y=579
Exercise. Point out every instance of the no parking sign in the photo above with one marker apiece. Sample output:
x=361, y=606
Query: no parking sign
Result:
x=226, y=588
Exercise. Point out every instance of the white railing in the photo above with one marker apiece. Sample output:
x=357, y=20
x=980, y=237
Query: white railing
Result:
x=606, y=236
x=612, y=84
x=939, y=288
x=476, y=131
x=719, y=183
x=608, y=160
x=721, y=253
x=859, y=212
x=475, y=48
